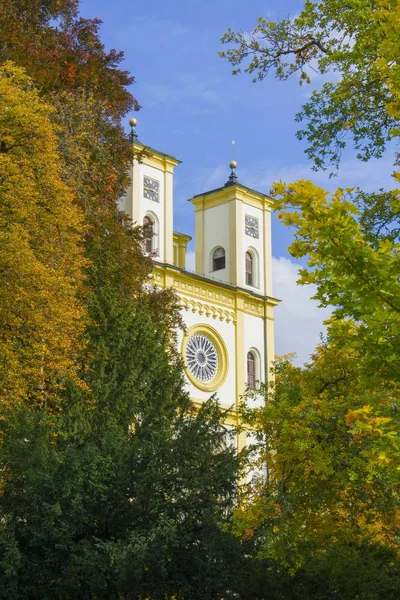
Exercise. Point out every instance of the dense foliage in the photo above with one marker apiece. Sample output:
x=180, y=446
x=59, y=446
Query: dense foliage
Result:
x=123, y=494
x=63, y=54
x=112, y=486
x=41, y=254
x=330, y=431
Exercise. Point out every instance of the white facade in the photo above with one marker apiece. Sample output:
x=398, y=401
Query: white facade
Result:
x=137, y=206
x=227, y=391
x=228, y=313
x=216, y=226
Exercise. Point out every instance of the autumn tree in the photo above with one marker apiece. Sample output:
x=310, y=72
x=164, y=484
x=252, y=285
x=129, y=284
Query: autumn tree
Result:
x=122, y=492
x=42, y=262
x=332, y=460
x=330, y=431
x=64, y=55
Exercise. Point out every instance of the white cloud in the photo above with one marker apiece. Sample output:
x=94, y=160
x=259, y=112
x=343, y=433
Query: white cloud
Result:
x=369, y=176
x=298, y=320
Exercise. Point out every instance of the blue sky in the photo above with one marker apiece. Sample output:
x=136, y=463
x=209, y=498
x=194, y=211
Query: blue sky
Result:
x=193, y=107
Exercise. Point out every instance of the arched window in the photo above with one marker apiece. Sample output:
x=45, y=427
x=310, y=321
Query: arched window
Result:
x=251, y=370
x=218, y=259
x=148, y=225
x=249, y=269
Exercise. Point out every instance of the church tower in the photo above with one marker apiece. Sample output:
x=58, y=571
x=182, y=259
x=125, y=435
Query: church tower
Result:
x=149, y=198
x=227, y=303
x=233, y=235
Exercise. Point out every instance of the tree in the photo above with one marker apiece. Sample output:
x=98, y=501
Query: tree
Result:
x=353, y=39
x=332, y=461
x=63, y=54
x=324, y=524
x=344, y=572
x=41, y=258
x=330, y=431
x=125, y=492
x=354, y=274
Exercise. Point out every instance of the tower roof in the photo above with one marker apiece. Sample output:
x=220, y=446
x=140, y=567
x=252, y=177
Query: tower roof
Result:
x=231, y=190
x=239, y=186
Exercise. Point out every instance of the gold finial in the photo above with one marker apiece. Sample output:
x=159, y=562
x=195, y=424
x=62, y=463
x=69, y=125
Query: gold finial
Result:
x=133, y=136
x=232, y=180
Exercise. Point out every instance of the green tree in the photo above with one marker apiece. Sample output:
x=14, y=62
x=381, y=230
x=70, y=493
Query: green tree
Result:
x=355, y=273
x=348, y=38
x=330, y=431
x=125, y=493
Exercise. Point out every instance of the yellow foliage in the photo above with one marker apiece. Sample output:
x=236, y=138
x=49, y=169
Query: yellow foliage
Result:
x=41, y=253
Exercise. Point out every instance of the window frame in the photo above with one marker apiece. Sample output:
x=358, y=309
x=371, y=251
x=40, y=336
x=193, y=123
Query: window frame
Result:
x=148, y=241
x=222, y=259
x=249, y=274
x=251, y=359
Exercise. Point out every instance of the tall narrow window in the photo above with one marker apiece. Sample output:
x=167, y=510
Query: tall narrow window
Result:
x=249, y=269
x=218, y=259
x=149, y=233
x=251, y=370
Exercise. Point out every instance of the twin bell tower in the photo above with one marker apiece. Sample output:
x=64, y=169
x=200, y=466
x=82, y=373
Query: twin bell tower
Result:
x=226, y=302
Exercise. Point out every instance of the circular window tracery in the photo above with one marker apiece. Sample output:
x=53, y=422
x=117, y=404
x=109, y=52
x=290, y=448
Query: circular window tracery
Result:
x=201, y=357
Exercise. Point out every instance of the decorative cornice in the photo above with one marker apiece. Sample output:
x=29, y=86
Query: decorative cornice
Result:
x=153, y=157
x=231, y=192
x=207, y=309
x=209, y=290
x=181, y=237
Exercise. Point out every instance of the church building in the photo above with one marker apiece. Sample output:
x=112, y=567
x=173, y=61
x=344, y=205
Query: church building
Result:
x=227, y=303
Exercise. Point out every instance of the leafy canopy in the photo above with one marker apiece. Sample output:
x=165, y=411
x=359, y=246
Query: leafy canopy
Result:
x=330, y=431
x=348, y=41
x=123, y=490
x=41, y=257
x=64, y=55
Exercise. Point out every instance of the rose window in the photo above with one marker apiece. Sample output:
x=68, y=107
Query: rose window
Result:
x=201, y=357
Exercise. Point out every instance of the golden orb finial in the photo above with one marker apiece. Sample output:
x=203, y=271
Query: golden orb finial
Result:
x=233, y=164
x=133, y=122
